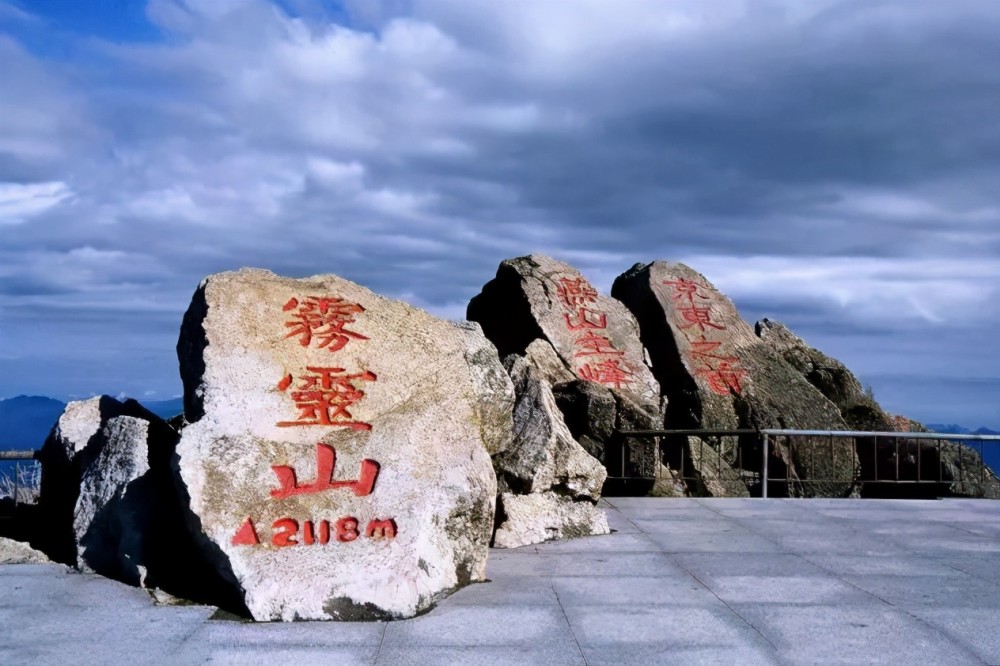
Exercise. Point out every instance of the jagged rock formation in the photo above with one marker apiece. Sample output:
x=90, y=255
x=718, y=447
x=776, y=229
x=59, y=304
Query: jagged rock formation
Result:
x=337, y=458
x=581, y=371
x=241, y=502
x=958, y=468
x=548, y=483
x=93, y=438
x=108, y=503
x=588, y=345
x=717, y=374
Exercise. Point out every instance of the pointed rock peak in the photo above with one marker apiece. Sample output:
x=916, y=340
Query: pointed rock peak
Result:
x=777, y=333
x=594, y=335
x=718, y=374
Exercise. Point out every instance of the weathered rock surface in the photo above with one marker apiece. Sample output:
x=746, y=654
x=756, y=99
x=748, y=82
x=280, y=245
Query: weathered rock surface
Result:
x=544, y=516
x=113, y=517
x=108, y=503
x=711, y=474
x=586, y=345
x=718, y=374
x=86, y=434
x=337, y=462
x=828, y=375
x=544, y=459
x=544, y=456
x=958, y=467
x=669, y=483
x=18, y=552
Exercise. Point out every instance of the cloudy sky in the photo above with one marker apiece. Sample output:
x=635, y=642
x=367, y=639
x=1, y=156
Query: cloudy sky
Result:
x=834, y=164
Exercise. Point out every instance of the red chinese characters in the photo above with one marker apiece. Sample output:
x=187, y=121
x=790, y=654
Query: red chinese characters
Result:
x=326, y=463
x=323, y=397
x=322, y=320
x=594, y=344
x=287, y=532
x=720, y=371
x=608, y=372
x=585, y=318
x=574, y=292
x=601, y=361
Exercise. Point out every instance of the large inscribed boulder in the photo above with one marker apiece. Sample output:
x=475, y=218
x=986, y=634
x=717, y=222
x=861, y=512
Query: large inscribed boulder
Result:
x=546, y=311
x=719, y=375
x=337, y=458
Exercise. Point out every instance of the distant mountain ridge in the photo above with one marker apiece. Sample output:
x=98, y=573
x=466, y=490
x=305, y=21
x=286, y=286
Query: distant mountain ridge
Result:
x=26, y=420
x=955, y=429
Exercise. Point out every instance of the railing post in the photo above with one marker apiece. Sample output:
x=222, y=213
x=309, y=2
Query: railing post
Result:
x=763, y=472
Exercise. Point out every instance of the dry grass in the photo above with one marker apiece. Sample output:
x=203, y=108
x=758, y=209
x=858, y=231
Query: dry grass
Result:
x=24, y=481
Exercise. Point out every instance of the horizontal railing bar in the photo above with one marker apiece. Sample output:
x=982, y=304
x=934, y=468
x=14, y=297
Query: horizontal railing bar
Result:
x=867, y=433
x=691, y=431
x=812, y=433
x=19, y=455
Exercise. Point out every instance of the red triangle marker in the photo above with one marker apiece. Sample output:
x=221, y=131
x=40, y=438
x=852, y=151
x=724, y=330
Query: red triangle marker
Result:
x=246, y=535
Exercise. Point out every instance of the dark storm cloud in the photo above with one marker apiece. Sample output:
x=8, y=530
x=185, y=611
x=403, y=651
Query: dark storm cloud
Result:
x=833, y=162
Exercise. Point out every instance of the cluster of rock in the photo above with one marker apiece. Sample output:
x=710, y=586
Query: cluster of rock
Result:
x=580, y=374
x=346, y=456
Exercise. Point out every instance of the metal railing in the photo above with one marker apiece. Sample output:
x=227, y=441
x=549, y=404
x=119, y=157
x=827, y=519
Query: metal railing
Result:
x=17, y=482
x=809, y=462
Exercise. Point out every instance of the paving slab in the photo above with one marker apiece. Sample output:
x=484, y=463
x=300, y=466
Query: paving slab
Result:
x=975, y=628
x=680, y=581
x=853, y=635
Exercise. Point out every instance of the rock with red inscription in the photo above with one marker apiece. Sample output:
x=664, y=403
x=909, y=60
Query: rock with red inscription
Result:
x=337, y=458
x=544, y=459
x=717, y=374
x=592, y=354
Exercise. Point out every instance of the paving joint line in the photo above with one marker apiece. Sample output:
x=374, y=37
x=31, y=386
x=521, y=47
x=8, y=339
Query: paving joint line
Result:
x=381, y=642
x=570, y=625
x=732, y=610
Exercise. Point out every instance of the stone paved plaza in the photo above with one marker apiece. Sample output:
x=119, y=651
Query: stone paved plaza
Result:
x=728, y=581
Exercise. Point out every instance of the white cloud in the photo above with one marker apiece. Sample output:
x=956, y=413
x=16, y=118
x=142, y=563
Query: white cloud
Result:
x=18, y=202
x=871, y=291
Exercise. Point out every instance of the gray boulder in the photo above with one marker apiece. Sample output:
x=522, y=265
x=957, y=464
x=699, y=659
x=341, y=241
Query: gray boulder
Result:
x=89, y=434
x=18, y=552
x=544, y=516
x=718, y=374
x=957, y=468
x=108, y=503
x=544, y=459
